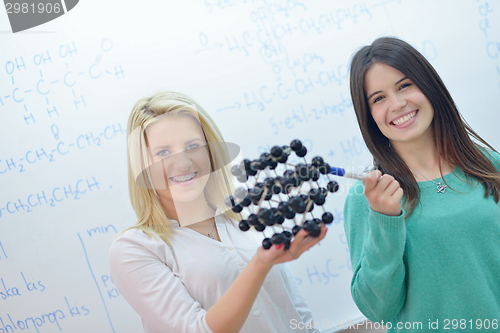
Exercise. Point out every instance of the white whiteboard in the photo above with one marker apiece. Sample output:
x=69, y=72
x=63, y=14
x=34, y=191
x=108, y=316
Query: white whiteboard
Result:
x=267, y=72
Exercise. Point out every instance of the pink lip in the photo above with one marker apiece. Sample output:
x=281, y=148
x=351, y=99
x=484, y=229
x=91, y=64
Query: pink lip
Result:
x=408, y=123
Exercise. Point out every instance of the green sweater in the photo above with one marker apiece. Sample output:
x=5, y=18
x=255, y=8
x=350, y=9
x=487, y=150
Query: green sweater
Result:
x=440, y=264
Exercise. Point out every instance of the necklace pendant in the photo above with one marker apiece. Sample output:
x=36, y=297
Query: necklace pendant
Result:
x=212, y=237
x=441, y=188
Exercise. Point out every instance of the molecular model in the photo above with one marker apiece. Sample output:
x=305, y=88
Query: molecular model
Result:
x=272, y=199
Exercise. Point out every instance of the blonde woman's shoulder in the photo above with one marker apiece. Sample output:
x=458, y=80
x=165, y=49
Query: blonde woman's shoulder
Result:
x=134, y=241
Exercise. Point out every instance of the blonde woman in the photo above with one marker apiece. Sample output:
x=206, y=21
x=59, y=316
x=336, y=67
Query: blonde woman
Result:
x=185, y=266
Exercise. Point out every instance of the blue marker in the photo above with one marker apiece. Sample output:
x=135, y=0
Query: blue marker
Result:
x=343, y=173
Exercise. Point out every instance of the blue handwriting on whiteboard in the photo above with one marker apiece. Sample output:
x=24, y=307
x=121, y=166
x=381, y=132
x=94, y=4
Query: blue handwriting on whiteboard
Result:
x=82, y=141
x=20, y=95
x=3, y=251
x=54, y=196
x=300, y=115
x=9, y=324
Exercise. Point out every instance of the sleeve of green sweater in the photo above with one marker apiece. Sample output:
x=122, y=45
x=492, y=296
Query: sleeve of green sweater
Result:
x=376, y=245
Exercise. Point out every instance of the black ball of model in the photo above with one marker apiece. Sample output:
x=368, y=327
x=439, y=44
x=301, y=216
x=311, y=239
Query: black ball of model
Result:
x=277, y=238
x=238, y=208
x=315, y=231
x=294, y=202
x=253, y=219
x=317, y=161
x=267, y=243
x=296, y=145
x=296, y=229
x=244, y=226
x=301, y=152
x=236, y=170
x=260, y=227
x=332, y=186
x=229, y=201
x=276, y=151
x=327, y=218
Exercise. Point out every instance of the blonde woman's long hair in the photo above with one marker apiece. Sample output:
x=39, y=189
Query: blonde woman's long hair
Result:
x=151, y=216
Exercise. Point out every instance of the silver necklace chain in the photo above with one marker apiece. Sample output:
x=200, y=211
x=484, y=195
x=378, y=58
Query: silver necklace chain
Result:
x=210, y=233
x=440, y=187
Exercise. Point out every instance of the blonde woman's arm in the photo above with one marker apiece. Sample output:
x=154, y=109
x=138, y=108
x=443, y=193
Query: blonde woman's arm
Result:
x=229, y=313
x=163, y=302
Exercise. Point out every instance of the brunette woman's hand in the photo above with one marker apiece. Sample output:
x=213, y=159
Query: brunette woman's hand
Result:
x=384, y=195
x=277, y=254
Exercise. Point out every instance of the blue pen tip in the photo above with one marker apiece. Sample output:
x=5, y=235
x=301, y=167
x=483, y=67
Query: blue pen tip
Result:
x=337, y=171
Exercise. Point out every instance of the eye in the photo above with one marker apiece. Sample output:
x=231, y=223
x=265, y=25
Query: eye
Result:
x=192, y=146
x=163, y=152
x=379, y=98
x=404, y=85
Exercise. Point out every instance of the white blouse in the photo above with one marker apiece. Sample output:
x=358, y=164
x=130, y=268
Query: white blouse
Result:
x=171, y=287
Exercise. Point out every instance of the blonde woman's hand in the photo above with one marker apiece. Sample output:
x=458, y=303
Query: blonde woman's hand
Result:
x=383, y=193
x=277, y=254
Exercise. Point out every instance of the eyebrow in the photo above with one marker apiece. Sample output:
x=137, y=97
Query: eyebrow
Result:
x=168, y=146
x=376, y=92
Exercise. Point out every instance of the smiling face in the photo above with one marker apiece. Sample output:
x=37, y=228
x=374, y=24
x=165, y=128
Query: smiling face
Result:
x=179, y=159
x=400, y=110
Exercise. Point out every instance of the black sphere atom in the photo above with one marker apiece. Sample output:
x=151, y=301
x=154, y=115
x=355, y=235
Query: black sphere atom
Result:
x=277, y=239
x=317, y=161
x=276, y=151
x=252, y=171
x=320, y=201
x=283, y=207
x=296, y=145
x=289, y=214
x=315, y=231
x=325, y=169
x=236, y=170
x=246, y=202
x=301, y=152
x=240, y=193
x=296, y=229
x=332, y=186
x=238, y=208
x=285, y=191
x=255, y=193
x=229, y=201
x=314, y=193
x=315, y=175
x=253, y=219
x=308, y=225
x=266, y=243
x=272, y=164
x=327, y=218
x=283, y=158
x=244, y=226
x=260, y=227
x=242, y=178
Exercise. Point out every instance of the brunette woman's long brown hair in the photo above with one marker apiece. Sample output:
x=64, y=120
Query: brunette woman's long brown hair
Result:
x=452, y=134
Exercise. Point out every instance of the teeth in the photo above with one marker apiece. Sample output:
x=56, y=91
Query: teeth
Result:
x=405, y=118
x=183, y=178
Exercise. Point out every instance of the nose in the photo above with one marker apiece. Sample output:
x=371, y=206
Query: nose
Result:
x=182, y=162
x=396, y=102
